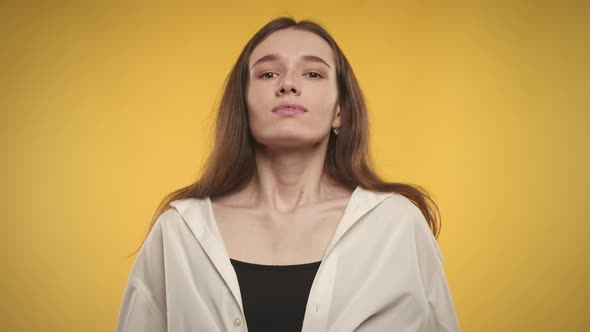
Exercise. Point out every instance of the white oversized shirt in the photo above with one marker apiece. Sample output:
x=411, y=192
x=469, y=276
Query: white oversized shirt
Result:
x=382, y=271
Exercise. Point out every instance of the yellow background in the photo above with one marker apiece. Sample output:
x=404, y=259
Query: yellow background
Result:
x=106, y=107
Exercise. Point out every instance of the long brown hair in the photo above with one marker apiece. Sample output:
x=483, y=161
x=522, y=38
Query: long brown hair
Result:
x=231, y=164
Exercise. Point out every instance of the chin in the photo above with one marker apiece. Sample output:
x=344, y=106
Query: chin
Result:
x=288, y=141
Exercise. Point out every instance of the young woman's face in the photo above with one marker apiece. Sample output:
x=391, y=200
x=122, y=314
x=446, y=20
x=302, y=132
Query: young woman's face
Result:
x=292, y=66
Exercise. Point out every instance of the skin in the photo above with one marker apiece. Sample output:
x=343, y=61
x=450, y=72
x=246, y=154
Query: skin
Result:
x=311, y=84
x=289, y=211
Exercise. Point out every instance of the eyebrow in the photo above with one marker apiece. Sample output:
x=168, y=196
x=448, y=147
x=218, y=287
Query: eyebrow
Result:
x=306, y=58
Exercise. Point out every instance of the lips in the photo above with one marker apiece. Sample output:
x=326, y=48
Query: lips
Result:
x=289, y=108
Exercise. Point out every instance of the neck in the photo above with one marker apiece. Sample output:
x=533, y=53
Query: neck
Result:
x=286, y=179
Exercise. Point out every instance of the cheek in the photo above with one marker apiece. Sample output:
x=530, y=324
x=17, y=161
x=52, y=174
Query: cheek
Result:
x=257, y=97
x=258, y=110
x=325, y=102
x=252, y=102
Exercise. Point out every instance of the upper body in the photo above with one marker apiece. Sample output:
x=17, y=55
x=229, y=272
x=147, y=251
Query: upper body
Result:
x=285, y=184
x=382, y=271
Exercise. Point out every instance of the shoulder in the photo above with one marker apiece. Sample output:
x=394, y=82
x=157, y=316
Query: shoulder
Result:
x=152, y=249
x=168, y=228
x=405, y=217
x=179, y=214
x=169, y=218
x=402, y=212
x=399, y=203
x=406, y=211
x=186, y=206
x=396, y=213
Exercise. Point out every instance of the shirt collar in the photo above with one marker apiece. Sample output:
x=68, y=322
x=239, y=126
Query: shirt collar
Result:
x=198, y=215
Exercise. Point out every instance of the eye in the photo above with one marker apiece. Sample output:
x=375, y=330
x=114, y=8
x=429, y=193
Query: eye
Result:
x=267, y=75
x=314, y=75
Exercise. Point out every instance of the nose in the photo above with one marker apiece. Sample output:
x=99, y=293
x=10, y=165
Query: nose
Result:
x=286, y=86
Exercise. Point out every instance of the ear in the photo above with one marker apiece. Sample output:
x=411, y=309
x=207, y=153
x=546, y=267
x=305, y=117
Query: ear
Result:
x=338, y=119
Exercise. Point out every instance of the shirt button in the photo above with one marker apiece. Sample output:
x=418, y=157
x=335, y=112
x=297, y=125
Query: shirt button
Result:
x=237, y=321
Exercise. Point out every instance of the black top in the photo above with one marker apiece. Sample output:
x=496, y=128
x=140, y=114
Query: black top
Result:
x=274, y=296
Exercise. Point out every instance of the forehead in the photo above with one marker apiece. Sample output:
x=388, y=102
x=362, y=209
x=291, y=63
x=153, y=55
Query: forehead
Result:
x=291, y=43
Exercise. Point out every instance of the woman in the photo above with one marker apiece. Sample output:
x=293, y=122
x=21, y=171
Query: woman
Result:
x=289, y=228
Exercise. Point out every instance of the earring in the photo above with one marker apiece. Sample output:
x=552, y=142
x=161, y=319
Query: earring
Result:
x=335, y=130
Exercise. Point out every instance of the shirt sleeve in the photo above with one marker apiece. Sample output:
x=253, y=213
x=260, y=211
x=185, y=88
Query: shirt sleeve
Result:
x=143, y=307
x=442, y=314
x=139, y=312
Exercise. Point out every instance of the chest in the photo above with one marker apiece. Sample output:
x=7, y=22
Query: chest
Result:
x=271, y=239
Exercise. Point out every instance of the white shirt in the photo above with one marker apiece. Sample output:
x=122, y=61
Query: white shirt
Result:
x=382, y=271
